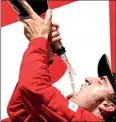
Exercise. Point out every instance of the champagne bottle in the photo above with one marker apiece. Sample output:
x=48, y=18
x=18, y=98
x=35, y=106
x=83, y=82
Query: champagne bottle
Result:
x=40, y=7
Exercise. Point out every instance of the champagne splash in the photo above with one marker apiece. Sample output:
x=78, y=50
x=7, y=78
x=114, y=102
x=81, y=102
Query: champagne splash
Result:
x=70, y=71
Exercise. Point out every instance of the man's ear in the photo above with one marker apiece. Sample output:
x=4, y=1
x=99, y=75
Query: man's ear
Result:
x=107, y=107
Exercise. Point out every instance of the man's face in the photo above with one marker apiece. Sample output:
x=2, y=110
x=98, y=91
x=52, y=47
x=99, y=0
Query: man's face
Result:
x=92, y=92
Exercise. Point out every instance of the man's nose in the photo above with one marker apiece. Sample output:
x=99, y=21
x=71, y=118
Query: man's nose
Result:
x=91, y=80
x=88, y=80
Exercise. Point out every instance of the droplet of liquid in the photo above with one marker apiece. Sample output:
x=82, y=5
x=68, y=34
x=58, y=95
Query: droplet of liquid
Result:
x=70, y=71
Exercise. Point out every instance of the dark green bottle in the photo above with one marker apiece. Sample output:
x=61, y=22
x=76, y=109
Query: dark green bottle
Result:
x=39, y=6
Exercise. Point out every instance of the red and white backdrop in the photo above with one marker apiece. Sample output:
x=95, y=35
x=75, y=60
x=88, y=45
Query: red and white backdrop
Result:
x=87, y=29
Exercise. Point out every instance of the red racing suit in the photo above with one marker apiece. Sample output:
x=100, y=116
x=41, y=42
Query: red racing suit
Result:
x=35, y=99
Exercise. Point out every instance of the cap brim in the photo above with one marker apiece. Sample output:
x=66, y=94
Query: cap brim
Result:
x=104, y=69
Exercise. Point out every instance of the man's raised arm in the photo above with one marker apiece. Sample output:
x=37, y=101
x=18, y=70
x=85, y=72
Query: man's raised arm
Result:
x=34, y=75
x=36, y=92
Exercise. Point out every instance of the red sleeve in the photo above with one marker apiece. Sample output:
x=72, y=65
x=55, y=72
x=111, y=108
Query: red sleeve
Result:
x=34, y=82
x=34, y=63
x=34, y=72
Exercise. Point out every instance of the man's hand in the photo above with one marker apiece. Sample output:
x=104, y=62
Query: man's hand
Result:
x=53, y=37
x=35, y=26
x=54, y=34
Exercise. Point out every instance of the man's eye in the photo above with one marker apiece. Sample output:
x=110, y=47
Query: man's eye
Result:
x=99, y=82
x=102, y=78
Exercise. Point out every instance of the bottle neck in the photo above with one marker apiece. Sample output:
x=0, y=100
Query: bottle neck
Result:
x=60, y=51
x=58, y=48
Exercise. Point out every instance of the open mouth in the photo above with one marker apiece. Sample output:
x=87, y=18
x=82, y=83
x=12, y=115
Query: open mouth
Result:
x=73, y=95
x=69, y=96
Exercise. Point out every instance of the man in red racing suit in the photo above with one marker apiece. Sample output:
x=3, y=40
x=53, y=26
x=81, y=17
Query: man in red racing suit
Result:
x=34, y=98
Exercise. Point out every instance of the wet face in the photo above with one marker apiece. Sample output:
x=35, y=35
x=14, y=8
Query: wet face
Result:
x=92, y=92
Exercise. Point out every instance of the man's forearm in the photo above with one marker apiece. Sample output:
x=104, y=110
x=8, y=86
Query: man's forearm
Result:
x=34, y=67
x=34, y=80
